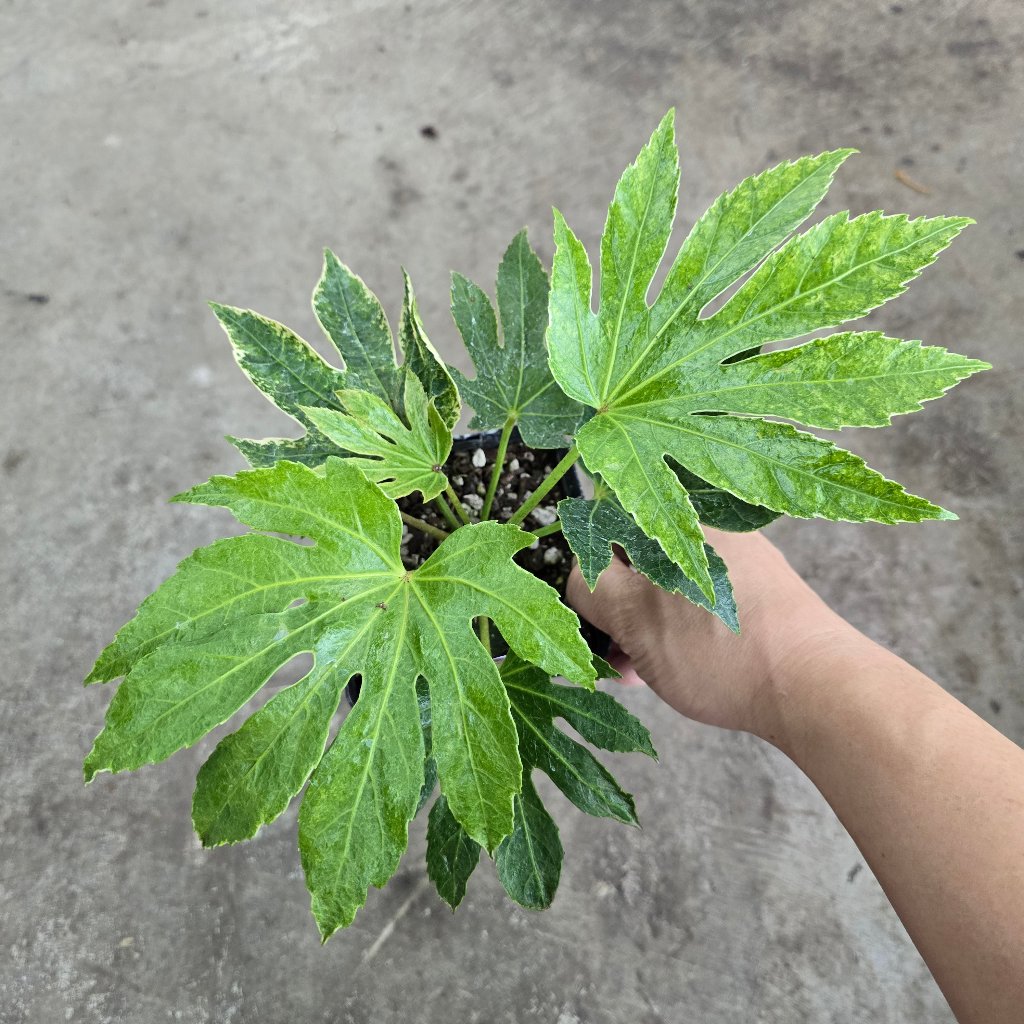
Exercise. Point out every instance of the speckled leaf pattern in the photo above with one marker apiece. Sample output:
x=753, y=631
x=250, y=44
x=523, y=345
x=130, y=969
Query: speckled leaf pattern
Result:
x=255, y=772
x=529, y=861
x=353, y=318
x=591, y=526
x=399, y=459
x=451, y=855
x=301, y=383
x=513, y=382
x=421, y=358
x=846, y=380
x=652, y=373
x=212, y=635
x=290, y=373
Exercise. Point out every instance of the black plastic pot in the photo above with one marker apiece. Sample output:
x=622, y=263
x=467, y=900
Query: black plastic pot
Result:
x=570, y=484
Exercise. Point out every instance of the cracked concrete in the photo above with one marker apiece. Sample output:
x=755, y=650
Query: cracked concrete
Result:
x=156, y=155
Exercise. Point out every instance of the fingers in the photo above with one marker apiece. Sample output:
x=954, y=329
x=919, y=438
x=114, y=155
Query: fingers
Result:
x=623, y=664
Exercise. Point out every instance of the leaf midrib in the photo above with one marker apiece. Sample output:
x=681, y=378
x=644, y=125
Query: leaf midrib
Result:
x=382, y=714
x=789, y=467
x=274, y=358
x=624, y=292
x=621, y=398
x=705, y=274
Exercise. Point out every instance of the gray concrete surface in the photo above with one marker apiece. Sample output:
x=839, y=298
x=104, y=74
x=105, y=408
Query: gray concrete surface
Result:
x=154, y=155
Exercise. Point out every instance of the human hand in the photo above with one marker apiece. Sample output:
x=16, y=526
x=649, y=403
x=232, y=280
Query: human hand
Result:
x=689, y=657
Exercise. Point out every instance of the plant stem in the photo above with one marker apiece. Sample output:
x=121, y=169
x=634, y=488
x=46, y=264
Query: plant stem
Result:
x=546, y=531
x=545, y=487
x=419, y=524
x=457, y=502
x=447, y=512
x=499, y=465
x=484, y=626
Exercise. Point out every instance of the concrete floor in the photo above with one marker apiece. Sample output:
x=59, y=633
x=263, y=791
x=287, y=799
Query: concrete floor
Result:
x=158, y=154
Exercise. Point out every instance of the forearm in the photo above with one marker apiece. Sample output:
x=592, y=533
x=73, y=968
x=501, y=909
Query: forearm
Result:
x=934, y=799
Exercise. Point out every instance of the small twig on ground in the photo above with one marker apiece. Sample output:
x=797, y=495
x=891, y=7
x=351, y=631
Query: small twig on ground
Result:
x=915, y=186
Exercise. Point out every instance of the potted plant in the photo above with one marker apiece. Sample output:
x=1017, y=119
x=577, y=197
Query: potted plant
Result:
x=420, y=571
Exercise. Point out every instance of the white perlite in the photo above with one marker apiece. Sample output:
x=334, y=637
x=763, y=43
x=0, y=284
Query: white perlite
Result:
x=552, y=556
x=513, y=466
x=473, y=501
x=544, y=515
x=479, y=459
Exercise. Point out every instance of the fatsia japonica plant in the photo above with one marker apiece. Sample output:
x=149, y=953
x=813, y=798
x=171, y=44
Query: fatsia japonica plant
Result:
x=434, y=576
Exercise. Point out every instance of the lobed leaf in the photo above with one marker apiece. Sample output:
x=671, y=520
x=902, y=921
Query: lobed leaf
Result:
x=529, y=861
x=400, y=459
x=367, y=398
x=289, y=373
x=235, y=612
x=513, y=382
x=760, y=461
x=592, y=526
x=252, y=775
x=845, y=380
x=674, y=393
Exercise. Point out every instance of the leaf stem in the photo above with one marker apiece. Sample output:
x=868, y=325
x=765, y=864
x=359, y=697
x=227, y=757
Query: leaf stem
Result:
x=425, y=527
x=499, y=465
x=546, y=531
x=457, y=502
x=545, y=487
x=447, y=512
x=484, y=625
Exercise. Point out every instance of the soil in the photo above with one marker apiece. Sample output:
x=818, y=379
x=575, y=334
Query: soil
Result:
x=548, y=558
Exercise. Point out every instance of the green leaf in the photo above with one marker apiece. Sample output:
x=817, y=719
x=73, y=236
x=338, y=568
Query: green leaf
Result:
x=354, y=320
x=846, y=380
x=422, y=359
x=760, y=461
x=354, y=819
x=235, y=612
x=838, y=270
x=635, y=235
x=290, y=373
x=721, y=510
x=652, y=373
x=299, y=382
x=451, y=855
x=739, y=230
x=597, y=716
x=591, y=527
x=429, y=765
x=400, y=459
x=529, y=861
x=513, y=382
x=253, y=774
x=311, y=449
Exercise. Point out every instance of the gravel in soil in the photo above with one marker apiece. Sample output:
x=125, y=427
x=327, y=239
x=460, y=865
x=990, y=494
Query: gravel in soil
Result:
x=469, y=471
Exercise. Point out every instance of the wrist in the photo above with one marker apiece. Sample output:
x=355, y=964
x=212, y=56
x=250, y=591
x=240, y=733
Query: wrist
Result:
x=803, y=670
